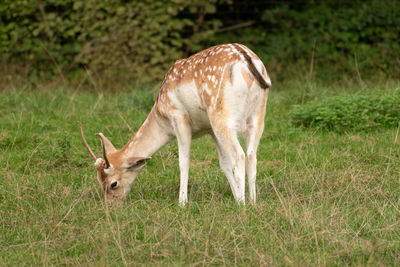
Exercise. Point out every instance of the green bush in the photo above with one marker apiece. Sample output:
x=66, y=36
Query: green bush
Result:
x=139, y=39
x=350, y=113
x=341, y=38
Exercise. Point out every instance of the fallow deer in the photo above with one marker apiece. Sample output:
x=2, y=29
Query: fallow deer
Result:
x=222, y=91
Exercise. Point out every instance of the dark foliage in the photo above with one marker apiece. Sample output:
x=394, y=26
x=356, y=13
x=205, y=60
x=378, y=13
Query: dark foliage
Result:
x=140, y=39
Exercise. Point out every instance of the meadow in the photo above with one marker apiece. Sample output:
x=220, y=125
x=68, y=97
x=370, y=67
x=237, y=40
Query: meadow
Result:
x=324, y=197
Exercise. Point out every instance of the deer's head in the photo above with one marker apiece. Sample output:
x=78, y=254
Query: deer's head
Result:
x=117, y=171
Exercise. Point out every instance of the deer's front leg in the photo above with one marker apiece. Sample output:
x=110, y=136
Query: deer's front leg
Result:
x=183, y=133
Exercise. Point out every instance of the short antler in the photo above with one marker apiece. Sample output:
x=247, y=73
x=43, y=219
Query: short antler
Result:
x=86, y=144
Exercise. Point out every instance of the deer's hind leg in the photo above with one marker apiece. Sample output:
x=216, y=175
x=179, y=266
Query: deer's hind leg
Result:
x=232, y=158
x=255, y=128
x=226, y=166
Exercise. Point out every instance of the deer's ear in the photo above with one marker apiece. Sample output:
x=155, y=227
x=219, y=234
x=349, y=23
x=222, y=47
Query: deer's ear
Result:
x=135, y=163
x=107, y=148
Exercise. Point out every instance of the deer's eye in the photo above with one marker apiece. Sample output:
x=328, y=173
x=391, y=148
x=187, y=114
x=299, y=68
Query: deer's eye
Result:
x=114, y=185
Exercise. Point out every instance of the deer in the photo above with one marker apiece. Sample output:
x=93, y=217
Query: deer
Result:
x=221, y=91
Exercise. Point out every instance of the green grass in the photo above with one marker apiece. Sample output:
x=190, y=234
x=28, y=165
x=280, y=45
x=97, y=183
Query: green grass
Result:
x=324, y=198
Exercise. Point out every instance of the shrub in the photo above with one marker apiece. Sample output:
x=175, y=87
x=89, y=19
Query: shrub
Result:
x=350, y=113
x=137, y=39
x=140, y=39
x=341, y=38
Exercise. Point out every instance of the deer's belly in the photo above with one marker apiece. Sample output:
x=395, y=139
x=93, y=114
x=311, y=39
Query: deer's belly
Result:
x=188, y=100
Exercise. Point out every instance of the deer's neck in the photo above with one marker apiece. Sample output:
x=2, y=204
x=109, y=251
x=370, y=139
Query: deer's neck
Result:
x=150, y=137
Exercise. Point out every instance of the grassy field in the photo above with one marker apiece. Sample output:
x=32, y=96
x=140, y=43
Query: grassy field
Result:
x=323, y=198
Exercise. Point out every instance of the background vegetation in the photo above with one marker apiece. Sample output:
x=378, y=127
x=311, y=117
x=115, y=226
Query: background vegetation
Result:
x=138, y=40
x=328, y=162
